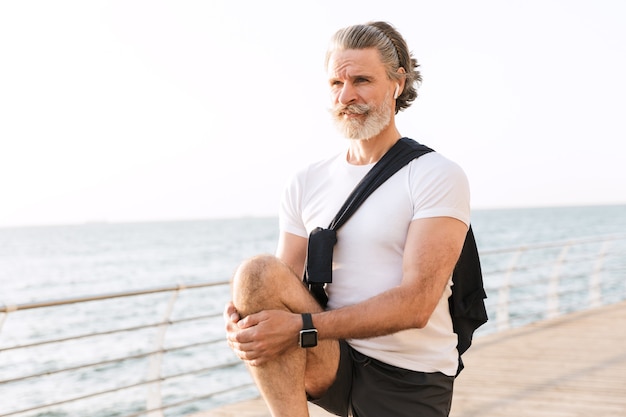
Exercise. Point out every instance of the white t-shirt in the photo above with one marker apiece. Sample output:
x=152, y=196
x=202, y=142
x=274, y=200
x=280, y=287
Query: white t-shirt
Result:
x=367, y=259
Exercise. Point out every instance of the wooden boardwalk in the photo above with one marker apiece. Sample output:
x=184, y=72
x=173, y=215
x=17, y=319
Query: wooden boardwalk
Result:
x=574, y=365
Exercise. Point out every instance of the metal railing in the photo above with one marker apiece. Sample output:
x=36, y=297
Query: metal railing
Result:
x=524, y=284
x=154, y=405
x=544, y=280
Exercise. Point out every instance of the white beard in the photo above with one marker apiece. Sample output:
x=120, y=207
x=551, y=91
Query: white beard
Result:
x=376, y=119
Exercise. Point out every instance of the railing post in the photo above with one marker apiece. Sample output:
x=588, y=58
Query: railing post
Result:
x=502, y=312
x=4, y=315
x=595, y=292
x=154, y=398
x=552, y=309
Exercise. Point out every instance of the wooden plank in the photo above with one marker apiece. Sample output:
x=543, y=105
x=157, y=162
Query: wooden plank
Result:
x=574, y=365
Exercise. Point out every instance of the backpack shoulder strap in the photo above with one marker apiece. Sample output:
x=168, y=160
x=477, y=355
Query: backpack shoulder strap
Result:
x=400, y=154
x=319, y=260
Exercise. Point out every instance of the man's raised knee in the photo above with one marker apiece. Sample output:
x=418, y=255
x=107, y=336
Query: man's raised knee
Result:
x=257, y=281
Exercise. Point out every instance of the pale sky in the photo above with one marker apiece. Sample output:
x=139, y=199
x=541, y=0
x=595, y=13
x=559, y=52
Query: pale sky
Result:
x=172, y=110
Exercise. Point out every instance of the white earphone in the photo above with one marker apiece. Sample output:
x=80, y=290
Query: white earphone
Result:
x=397, y=93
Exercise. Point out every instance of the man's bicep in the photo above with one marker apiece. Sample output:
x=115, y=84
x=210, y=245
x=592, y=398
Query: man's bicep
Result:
x=432, y=249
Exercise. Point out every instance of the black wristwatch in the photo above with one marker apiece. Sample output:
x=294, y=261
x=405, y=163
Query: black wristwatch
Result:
x=308, y=334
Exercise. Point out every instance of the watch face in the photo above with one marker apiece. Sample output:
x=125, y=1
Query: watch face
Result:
x=308, y=338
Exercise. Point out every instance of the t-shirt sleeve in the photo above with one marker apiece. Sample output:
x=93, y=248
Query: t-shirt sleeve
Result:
x=439, y=188
x=290, y=211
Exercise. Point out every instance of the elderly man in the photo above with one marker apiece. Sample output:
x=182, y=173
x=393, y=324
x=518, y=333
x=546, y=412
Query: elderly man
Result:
x=384, y=345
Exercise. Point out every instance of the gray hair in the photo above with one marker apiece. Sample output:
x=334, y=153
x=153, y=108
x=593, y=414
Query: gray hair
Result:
x=393, y=51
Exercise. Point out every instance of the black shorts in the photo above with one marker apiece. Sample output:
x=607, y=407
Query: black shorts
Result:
x=371, y=388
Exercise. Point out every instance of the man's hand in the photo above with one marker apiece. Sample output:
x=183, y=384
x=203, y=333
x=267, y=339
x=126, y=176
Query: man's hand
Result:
x=261, y=337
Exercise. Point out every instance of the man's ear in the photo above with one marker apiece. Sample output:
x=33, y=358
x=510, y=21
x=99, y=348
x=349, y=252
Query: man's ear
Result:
x=400, y=84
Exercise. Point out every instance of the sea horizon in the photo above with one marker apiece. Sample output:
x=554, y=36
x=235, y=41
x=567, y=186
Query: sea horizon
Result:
x=275, y=216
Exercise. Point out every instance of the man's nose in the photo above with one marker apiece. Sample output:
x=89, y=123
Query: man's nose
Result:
x=347, y=95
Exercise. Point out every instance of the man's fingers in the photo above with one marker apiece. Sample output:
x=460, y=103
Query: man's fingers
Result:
x=230, y=313
x=246, y=352
x=252, y=320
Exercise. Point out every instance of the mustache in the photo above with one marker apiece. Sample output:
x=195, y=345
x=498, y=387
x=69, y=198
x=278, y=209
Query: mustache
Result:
x=340, y=110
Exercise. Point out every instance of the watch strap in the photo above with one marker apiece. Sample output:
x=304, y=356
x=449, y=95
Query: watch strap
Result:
x=307, y=321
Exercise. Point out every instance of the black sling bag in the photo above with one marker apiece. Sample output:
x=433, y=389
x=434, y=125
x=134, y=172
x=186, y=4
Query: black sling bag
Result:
x=466, y=303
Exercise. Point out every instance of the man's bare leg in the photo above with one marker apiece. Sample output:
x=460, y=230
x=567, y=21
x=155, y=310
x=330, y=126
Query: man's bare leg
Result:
x=265, y=283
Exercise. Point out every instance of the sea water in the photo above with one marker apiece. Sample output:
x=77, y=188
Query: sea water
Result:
x=55, y=262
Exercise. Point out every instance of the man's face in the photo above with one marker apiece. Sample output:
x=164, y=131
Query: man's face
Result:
x=361, y=93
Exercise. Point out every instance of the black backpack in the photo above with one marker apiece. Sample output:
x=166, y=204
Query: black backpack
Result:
x=467, y=306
